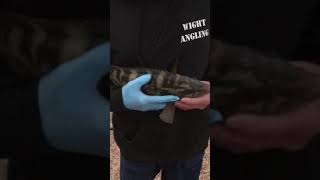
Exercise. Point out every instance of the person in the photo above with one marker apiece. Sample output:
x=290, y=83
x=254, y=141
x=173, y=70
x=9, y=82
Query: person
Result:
x=273, y=147
x=154, y=35
x=56, y=126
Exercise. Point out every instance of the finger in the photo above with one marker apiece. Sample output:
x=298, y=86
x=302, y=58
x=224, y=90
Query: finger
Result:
x=229, y=140
x=91, y=65
x=182, y=106
x=97, y=58
x=311, y=67
x=141, y=80
x=185, y=106
x=242, y=123
x=162, y=99
x=199, y=101
x=237, y=143
x=255, y=125
x=274, y=132
x=206, y=82
x=191, y=101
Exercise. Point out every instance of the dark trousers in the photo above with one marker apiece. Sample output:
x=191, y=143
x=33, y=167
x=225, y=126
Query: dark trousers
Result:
x=171, y=170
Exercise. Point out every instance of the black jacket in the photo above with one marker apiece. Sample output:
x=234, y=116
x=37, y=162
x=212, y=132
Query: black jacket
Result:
x=291, y=30
x=148, y=34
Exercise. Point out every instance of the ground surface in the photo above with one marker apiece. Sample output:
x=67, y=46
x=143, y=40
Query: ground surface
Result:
x=115, y=164
x=3, y=169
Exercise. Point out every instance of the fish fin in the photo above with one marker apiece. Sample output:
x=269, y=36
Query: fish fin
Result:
x=167, y=115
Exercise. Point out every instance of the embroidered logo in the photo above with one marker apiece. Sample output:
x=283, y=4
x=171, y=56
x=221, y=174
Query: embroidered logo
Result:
x=197, y=34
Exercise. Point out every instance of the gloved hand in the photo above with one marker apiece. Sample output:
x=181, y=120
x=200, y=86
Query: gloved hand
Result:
x=75, y=117
x=135, y=99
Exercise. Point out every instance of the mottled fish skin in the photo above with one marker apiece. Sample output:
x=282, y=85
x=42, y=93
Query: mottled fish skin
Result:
x=162, y=82
x=245, y=81
x=32, y=47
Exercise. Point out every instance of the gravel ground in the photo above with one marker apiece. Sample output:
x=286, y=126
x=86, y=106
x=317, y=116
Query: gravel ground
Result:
x=115, y=164
x=3, y=169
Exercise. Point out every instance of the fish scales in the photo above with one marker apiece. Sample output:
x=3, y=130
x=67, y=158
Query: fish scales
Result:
x=162, y=82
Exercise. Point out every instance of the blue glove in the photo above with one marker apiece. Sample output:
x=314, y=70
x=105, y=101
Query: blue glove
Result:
x=215, y=117
x=135, y=99
x=75, y=117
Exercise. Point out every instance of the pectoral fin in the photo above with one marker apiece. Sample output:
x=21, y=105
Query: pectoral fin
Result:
x=167, y=115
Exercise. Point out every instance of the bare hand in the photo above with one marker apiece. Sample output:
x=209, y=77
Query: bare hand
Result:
x=244, y=133
x=202, y=102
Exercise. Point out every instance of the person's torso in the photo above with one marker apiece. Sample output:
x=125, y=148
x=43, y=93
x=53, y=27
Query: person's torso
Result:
x=151, y=34
x=157, y=34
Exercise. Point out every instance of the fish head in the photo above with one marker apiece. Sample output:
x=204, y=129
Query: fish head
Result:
x=190, y=87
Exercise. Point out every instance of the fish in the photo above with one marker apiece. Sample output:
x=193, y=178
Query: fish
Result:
x=162, y=83
x=32, y=47
x=245, y=80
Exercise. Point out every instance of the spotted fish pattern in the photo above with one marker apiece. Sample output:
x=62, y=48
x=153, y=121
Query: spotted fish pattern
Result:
x=162, y=83
x=247, y=81
x=31, y=47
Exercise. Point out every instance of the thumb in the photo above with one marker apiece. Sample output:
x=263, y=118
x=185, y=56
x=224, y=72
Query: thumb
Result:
x=98, y=59
x=93, y=65
x=95, y=61
x=141, y=80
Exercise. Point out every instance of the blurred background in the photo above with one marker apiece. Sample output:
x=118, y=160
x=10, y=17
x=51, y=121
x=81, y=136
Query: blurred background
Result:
x=46, y=163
